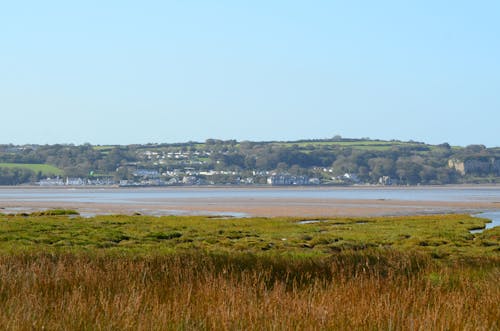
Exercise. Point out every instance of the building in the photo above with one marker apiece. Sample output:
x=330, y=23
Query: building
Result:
x=385, y=180
x=284, y=179
x=146, y=173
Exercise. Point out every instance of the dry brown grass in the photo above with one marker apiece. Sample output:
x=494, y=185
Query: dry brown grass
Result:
x=390, y=291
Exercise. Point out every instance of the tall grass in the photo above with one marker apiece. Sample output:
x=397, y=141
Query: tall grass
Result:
x=198, y=291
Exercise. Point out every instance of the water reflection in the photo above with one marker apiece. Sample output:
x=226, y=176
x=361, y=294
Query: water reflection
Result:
x=494, y=216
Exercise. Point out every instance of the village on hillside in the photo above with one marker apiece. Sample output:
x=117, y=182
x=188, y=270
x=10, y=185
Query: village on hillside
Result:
x=216, y=162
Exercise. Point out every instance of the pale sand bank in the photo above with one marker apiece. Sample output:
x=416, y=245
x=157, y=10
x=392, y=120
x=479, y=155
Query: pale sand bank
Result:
x=258, y=207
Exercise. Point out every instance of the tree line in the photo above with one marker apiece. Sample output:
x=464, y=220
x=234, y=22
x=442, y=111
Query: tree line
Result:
x=405, y=162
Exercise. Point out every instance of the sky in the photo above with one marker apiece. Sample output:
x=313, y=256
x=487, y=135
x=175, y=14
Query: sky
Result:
x=123, y=72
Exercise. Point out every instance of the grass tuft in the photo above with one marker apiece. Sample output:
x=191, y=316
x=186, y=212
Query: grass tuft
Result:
x=54, y=212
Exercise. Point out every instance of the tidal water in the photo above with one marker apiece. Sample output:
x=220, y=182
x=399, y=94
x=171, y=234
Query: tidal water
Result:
x=143, y=195
x=494, y=216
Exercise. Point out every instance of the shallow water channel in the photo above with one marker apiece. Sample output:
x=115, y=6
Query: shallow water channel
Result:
x=494, y=216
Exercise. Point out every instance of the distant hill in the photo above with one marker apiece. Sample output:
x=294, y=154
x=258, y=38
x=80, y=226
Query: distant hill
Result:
x=336, y=161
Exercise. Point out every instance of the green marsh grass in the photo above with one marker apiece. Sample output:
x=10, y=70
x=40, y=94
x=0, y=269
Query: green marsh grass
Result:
x=65, y=231
x=203, y=273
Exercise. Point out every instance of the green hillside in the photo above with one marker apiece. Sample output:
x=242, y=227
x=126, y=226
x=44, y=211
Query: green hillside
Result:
x=220, y=162
x=45, y=169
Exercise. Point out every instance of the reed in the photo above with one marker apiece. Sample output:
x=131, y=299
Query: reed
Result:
x=374, y=290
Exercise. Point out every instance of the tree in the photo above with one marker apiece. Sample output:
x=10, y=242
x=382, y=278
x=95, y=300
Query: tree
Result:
x=381, y=166
x=408, y=170
x=344, y=165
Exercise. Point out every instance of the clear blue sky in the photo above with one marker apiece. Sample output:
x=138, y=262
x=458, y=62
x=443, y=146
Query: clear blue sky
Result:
x=119, y=72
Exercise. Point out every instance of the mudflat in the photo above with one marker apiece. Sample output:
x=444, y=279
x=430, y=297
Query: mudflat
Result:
x=248, y=205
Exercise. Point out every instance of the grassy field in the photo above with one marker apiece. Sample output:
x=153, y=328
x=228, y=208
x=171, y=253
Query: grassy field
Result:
x=45, y=169
x=374, y=145
x=59, y=271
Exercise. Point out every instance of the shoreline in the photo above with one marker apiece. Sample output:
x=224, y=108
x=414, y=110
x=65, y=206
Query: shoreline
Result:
x=254, y=186
x=258, y=207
